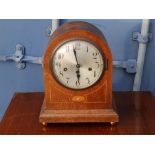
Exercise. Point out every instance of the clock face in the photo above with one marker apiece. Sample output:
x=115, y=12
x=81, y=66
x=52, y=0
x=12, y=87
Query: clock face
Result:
x=77, y=64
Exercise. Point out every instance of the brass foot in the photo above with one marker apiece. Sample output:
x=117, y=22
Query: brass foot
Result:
x=112, y=123
x=43, y=123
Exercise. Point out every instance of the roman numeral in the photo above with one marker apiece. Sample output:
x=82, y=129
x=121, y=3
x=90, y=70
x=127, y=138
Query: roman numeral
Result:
x=98, y=65
x=87, y=48
x=88, y=80
x=77, y=45
x=67, y=48
x=60, y=56
x=94, y=73
x=95, y=54
x=67, y=79
x=61, y=73
x=77, y=83
x=58, y=64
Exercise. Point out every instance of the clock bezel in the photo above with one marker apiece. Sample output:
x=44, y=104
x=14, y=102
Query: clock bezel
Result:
x=76, y=39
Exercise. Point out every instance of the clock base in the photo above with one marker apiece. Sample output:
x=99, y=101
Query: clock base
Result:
x=77, y=116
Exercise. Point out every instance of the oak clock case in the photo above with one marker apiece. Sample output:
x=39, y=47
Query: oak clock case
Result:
x=78, y=76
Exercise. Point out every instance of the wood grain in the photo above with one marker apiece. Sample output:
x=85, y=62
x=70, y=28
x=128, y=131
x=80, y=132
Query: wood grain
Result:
x=136, y=111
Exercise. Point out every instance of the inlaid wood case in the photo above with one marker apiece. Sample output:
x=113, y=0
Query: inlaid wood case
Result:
x=88, y=99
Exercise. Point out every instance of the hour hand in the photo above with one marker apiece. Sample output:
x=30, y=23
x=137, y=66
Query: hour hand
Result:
x=78, y=76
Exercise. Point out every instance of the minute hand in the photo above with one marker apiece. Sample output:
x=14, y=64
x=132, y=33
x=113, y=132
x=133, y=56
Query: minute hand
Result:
x=77, y=66
x=75, y=56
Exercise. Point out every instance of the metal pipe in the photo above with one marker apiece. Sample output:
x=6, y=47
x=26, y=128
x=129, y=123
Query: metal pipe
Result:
x=55, y=24
x=141, y=56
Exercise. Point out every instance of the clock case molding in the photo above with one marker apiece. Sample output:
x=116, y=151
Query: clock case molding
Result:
x=93, y=104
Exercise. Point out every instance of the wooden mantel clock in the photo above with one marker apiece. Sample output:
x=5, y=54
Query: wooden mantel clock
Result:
x=77, y=76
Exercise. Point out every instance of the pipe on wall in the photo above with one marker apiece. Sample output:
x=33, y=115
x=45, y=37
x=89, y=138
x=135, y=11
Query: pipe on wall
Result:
x=141, y=56
x=55, y=24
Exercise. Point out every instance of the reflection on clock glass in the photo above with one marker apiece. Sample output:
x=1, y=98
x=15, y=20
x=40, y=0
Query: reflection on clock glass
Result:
x=77, y=64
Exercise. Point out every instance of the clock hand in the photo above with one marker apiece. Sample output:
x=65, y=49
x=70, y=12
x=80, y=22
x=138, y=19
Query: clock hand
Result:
x=78, y=75
x=76, y=58
x=77, y=66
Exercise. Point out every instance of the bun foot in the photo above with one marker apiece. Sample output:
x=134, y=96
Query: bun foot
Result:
x=112, y=123
x=43, y=123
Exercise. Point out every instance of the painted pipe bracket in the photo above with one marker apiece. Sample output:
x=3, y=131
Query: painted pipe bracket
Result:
x=49, y=31
x=20, y=58
x=130, y=65
x=136, y=36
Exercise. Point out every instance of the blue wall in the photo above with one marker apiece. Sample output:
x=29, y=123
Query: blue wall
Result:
x=32, y=34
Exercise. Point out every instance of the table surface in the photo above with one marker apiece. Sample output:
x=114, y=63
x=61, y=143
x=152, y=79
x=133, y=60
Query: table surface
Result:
x=136, y=111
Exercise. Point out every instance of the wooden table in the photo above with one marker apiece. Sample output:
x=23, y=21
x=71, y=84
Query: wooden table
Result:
x=136, y=111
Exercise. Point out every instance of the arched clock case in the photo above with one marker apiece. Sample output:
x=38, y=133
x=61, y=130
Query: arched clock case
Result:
x=78, y=76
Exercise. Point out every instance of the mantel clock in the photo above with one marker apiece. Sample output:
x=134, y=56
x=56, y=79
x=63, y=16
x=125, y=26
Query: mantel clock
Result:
x=78, y=76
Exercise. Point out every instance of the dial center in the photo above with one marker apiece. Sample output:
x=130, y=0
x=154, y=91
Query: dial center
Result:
x=78, y=66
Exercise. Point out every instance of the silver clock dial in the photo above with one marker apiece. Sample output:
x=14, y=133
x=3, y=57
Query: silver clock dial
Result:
x=77, y=64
